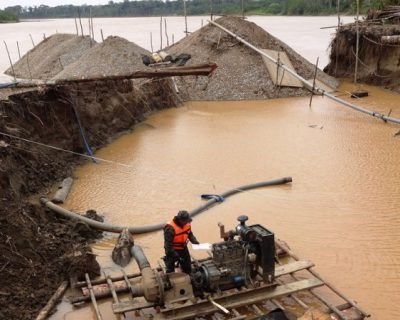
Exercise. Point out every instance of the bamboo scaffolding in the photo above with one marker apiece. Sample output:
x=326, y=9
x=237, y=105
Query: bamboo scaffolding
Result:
x=307, y=83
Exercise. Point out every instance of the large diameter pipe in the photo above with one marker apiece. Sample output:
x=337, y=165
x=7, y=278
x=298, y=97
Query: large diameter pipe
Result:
x=155, y=227
x=306, y=82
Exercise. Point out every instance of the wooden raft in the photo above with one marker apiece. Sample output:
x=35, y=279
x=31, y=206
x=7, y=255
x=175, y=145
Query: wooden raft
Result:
x=287, y=284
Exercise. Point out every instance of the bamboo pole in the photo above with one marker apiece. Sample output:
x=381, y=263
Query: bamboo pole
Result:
x=27, y=63
x=151, y=42
x=33, y=43
x=11, y=64
x=173, y=42
x=76, y=27
x=337, y=32
x=313, y=86
x=44, y=36
x=185, y=13
x=19, y=52
x=357, y=41
x=161, y=33
x=92, y=296
x=242, y=9
x=102, y=36
x=80, y=20
x=53, y=301
x=91, y=22
x=307, y=83
x=211, y=9
x=166, y=32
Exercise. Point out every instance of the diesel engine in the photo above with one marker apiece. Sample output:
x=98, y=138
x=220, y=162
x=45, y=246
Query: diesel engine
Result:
x=245, y=252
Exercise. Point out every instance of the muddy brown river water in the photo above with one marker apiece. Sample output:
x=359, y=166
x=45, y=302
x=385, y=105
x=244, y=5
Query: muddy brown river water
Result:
x=342, y=210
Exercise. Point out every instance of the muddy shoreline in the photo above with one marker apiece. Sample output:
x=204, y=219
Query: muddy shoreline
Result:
x=38, y=249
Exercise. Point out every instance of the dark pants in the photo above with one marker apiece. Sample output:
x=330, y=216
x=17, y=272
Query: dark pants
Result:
x=184, y=261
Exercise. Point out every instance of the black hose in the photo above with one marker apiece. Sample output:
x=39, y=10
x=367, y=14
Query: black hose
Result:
x=155, y=227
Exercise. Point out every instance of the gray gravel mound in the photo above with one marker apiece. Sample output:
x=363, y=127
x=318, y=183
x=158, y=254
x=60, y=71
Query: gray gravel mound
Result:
x=241, y=72
x=51, y=56
x=115, y=56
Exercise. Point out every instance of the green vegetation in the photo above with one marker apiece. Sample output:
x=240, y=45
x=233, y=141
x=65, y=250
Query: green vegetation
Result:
x=6, y=16
x=132, y=8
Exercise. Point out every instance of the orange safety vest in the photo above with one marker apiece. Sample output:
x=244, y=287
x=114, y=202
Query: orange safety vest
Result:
x=181, y=235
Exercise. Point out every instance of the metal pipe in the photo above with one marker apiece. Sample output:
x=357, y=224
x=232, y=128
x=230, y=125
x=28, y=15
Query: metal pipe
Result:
x=155, y=227
x=141, y=259
x=308, y=83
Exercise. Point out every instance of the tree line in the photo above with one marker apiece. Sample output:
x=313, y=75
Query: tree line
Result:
x=7, y=16
x=142, y=8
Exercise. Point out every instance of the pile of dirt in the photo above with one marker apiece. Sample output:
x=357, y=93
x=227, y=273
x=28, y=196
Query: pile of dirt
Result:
x=51, y=56
x=241, y=72
x=38, y=249
x=379, y=62
x=115, y=56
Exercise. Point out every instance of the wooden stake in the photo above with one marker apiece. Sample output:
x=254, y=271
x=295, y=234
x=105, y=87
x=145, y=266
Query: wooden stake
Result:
x=202, y=23
x=166, y=32
x=27, y=63
x=242, y=9
x=53, y=301
x=173, y=39
x=44, y=36
x=357, y=41
x=337, y=32
x=277, y=68
x=91, y=20
x=76, y=27
x=313, y=86
x=185, y=13
x=9, y=58
x=32, y=40
x=19, y=52
x=102, y=36
x=211, y=9
x=161, y=33
x=80, y=20
x=151, y=42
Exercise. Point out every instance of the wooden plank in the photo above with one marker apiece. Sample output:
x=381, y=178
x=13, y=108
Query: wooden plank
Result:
x=132, y=305
x=235, y=300
x=277, y=73
x=293, y=267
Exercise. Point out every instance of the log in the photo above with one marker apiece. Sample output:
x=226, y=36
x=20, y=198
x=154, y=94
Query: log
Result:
x=198, y=70
x=53, y=301
x=391, y=39
x=63, y=190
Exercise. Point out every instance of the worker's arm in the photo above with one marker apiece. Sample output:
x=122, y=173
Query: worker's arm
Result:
x=169, y=235
x=192, y=238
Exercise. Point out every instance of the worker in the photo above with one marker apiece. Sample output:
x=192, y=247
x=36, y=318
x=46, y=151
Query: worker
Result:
x=177, y=233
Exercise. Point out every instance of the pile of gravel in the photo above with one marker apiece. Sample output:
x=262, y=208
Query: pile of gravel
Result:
x=241, y=72
x=115, y=56
x=51, y=56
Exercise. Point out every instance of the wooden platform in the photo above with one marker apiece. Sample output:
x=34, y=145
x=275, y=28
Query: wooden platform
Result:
x=295, y=280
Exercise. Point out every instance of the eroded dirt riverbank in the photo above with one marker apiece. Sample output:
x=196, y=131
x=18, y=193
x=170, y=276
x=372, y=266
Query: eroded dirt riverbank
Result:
x=341, y=210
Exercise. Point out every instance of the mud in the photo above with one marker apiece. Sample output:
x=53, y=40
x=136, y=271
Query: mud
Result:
x=379, y=63
x=38, y=249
